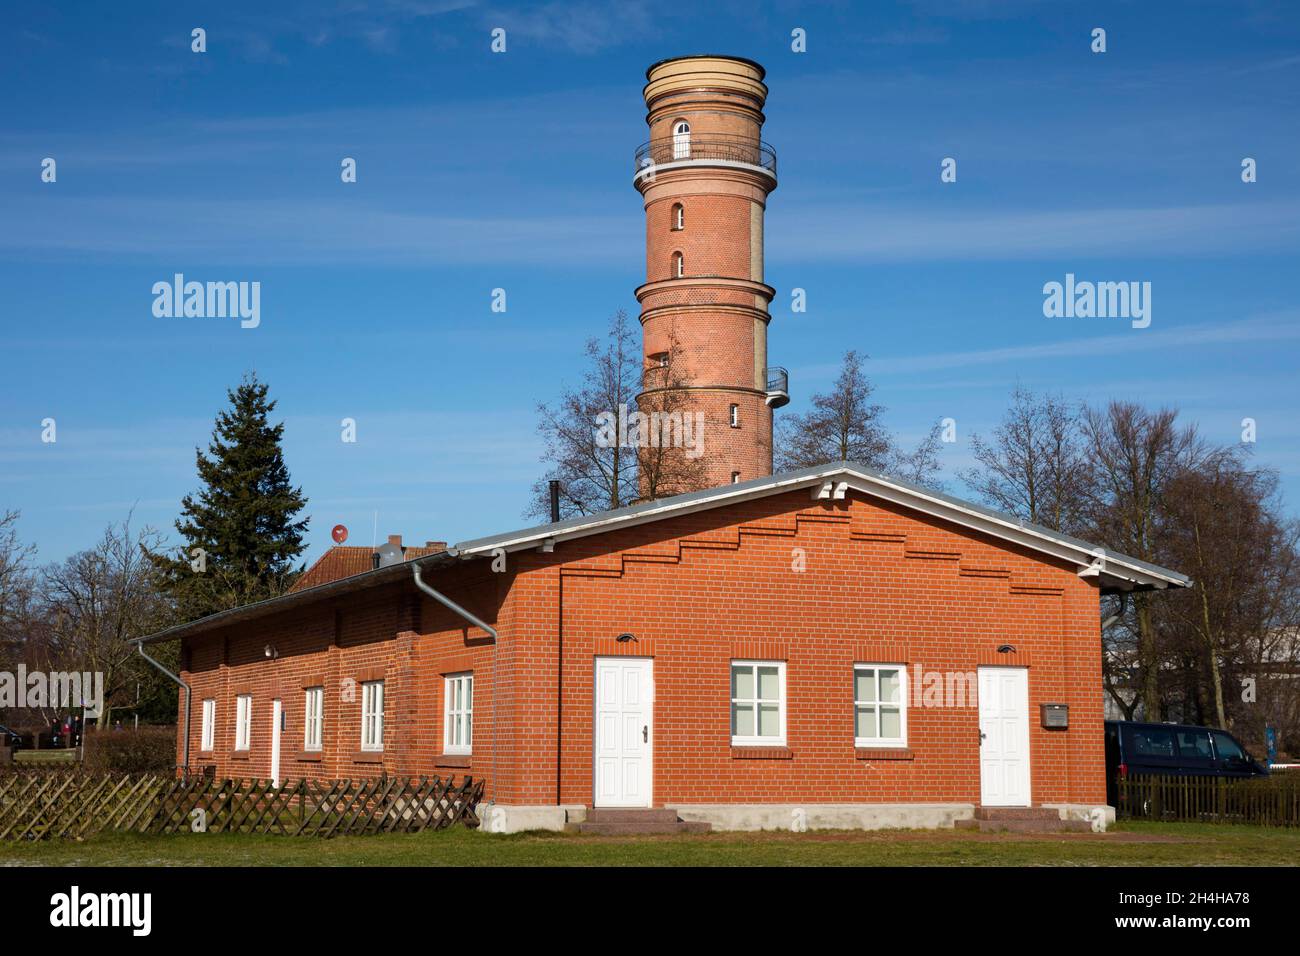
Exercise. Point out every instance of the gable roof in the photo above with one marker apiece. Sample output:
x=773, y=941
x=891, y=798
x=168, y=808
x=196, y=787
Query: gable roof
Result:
x=1113, y=572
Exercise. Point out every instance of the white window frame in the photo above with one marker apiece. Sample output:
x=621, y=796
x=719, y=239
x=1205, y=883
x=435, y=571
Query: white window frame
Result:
x=465, y=681
x=313, y=719
x=206, y=739
x=681, y=140
x=244, y=722
x=372, y=716
x=757, y=741
x=880, y=742
x=734, y=415
x=679, y=217
x=679, y=265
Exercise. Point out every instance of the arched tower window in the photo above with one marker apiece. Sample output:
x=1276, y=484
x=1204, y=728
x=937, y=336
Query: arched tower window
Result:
x=735, y=416
x=679, y=216
x=681, y=140
x=679, y=265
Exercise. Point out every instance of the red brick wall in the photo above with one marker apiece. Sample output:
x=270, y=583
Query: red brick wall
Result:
x=395, y=634
x=879, y=584
x=718, y=309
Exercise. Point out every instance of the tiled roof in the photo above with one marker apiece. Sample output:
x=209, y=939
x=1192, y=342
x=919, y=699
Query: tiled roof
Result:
x=343, y=561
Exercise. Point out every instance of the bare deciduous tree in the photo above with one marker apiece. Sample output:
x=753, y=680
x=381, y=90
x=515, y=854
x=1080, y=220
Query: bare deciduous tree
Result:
x=1134, y=455
x=95, y=602
x=16, y=581
x=1222, y=527
x=1033, y=466
x=666, y=468
x=599, y=475
x=844, y=424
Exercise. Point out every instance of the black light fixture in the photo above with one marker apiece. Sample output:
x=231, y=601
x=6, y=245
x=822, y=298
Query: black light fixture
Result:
x=624, y=638
x=1006, y=649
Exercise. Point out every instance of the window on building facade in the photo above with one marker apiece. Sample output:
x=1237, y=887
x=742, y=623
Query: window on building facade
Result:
x=372, y=715
x=758, y=703
x=735, y=416
x=209, y=724
x=679, y=265
x=313, y=721
x=243, y=721
x=458, y=713
x=679, y=216
x=681, y=140
x=879, y=705
x=735, y=477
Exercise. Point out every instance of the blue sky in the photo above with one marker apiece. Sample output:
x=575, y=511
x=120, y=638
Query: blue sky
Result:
x=479, y=170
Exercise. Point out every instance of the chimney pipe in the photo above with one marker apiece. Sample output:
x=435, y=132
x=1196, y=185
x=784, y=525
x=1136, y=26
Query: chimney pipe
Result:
x=555, y=500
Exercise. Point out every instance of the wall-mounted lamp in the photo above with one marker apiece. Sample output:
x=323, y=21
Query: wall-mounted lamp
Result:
x=270, y=651
x=624, y=638
x=1006, y=649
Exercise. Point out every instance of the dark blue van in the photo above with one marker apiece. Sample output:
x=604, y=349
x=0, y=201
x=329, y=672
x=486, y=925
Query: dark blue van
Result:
x=1180, y=750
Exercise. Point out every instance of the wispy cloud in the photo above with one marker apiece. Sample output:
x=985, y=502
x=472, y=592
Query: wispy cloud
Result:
x=303, y=231
x=887, y=234
x=1273, y=327
x=579, y=27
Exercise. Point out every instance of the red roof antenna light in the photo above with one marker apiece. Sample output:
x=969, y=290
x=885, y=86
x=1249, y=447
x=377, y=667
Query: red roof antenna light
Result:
x=339, y=533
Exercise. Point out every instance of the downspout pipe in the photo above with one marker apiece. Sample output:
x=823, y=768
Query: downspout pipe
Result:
x=450, y=604
x=477, y=622
x=139, y=646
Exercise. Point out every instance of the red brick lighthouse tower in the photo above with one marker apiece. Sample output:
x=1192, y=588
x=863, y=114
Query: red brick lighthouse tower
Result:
x=705, y=176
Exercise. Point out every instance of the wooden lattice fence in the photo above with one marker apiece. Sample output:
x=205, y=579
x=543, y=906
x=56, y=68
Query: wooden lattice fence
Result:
x=77, y=805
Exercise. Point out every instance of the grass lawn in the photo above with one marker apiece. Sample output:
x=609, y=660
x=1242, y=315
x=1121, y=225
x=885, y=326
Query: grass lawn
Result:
x=1131, y=844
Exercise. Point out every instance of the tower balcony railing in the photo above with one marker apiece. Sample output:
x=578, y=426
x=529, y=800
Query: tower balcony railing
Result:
x=778, y=387
x=705, y=149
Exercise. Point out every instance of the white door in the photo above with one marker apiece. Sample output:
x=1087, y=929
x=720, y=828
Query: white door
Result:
x=624, y=731
x=682, y=140
x=277, y=717
x=1004, y=736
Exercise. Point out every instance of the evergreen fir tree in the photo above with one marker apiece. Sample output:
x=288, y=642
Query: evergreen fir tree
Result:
x=243, y=519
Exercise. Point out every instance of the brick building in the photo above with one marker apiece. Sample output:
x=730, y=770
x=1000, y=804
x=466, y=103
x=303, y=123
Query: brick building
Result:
x=830, y=640
x=827, y=647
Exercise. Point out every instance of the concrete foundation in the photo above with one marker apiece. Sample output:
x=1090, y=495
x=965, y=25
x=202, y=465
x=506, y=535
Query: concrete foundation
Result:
x=799, y=817
x=499, y=818
x=795, y=817
x=1099, y=815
